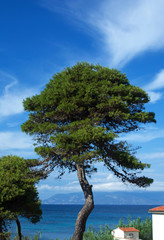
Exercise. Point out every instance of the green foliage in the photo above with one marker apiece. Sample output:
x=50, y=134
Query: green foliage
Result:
x=79, y=116
x=37, y=236
x=103, y=234
x=5, y=235
x=15, y=177
x=18, y=194
x=145, y=227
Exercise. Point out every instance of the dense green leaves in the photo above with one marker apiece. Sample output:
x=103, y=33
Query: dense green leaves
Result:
x=18, y=194
x=14, y=177
x=78, y=118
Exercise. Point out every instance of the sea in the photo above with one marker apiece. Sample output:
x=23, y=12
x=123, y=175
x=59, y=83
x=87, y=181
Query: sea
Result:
x=58, y=221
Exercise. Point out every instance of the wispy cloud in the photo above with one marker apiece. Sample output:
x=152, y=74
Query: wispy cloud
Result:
x=154, y=96
x=127, y=28
x=156, y=84
x=12, y=97
x=111, y=186
x=15, y=140
x=156, y=186
x=143, y=136
x=5, y=76
x=60, y=188
x=105, y=186
x=16, y=143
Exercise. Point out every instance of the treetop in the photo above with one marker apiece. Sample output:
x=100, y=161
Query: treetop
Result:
x=81, y=112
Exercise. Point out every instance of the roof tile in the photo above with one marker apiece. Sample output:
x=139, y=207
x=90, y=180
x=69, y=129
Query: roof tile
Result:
x=157, y=209
x=130, y=229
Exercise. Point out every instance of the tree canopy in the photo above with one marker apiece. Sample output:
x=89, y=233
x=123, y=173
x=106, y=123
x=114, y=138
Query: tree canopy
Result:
x=18, y=194
x=79, y=116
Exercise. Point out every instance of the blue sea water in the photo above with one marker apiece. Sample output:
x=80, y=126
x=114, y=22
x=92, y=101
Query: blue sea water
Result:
x=59, y=220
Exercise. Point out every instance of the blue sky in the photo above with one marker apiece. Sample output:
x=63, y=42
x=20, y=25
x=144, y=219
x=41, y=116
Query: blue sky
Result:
x=42, y=37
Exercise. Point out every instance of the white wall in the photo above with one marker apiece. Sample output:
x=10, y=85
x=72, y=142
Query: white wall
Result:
x=118, y=233
x=158, y=226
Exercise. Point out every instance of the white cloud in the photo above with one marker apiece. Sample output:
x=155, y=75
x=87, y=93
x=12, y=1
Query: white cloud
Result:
x=11, y=103
x=60, y=188
x=154, y=96
x=16, y=143
x=130, y=28
x=157, y=83
x=12, y=96
x=156, y=186
x=112, y=186
x=112, y=183
x=144, y=136
x=45, y=187
x=105, y=186
x=126, y=28
x=15, y=140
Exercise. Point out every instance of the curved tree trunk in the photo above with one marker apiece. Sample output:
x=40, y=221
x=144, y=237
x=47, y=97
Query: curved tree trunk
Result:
x=19, y=228
x=88, y=206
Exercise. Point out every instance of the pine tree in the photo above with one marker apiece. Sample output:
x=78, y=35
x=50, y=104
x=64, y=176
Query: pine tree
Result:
x=76, y=121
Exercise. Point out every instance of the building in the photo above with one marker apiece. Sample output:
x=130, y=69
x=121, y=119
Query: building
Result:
x=126, y=233
x=158, y=222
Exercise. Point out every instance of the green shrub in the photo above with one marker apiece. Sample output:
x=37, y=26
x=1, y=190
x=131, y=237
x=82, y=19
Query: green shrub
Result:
x=145, y=227
x=103, y=234
x=38, y=236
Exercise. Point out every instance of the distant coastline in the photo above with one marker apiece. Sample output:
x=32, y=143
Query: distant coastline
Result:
x=109, y=198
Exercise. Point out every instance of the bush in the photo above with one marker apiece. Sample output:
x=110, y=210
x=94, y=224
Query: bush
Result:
x=38, y=236
x=145, y=227
x=103, y=234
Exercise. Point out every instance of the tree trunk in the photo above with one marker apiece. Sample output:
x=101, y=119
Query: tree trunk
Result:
x=19, y=228
x=88, y=206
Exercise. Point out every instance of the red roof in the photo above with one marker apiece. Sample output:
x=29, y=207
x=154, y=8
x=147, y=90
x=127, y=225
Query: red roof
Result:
x=157, y=209
x=130, y=229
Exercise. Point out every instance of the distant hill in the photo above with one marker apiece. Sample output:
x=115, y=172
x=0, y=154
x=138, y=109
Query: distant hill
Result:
x=110, y=198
